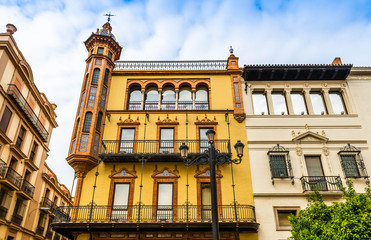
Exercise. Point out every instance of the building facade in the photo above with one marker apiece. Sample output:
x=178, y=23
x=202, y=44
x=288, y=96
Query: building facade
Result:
x=307, y=127
x=132, y=118
x=27, y=119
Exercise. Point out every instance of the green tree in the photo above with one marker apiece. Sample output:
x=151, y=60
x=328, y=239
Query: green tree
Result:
x=350, y=219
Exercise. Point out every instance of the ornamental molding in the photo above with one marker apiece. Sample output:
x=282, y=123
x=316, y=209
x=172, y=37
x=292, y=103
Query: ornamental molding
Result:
x=165, y=173
x=170, y=65
x=123, y=173
x=310, y=136
x=206, y=173
x=206, y=121
x=167, y=121
x=240, y=117
x=128, y=121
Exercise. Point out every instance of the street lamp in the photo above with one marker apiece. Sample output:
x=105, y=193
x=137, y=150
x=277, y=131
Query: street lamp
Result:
x=211, y=157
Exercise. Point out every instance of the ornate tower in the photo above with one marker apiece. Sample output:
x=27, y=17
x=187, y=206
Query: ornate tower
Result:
x=87, y=133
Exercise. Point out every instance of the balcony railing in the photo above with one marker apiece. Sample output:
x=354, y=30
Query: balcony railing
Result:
x=49, y=234
x=154, y=214
x=185, y=105
x=168, y=105
x=135, y=105
x=28, y=188
x=13, y=177
x=321, y=183
x=17, y=219
x=171, y=65
x=3, y=168
x=40, y=230
x=201, y=105
x=46, y=204
x=123, y=147
x=14, y=92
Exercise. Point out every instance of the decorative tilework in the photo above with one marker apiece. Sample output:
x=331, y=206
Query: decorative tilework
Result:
x=81, y=103
x=98, y=61
x=96, y=144
x=84, y=142
x=91, y=100
x=72, y=146
x=103, y=98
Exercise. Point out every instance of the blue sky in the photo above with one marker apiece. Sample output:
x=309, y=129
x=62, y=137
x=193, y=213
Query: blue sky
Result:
x=51, y=34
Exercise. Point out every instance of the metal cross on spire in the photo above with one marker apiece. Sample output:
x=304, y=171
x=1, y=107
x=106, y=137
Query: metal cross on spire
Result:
x=109, y=15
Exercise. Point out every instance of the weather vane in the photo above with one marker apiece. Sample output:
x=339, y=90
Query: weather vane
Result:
x=109, y=15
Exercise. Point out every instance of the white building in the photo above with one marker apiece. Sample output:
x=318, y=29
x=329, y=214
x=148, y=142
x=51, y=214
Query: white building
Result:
x=306, y=127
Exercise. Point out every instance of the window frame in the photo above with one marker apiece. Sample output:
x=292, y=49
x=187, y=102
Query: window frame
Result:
x=350, y=150
x=345, y=110
x=280, y=93
x=261, y=92
x=173, y=147
x=84, y=128
x=20, y=138
x=279, y=150
x=100, y=50
x=96, y=76
x=9, y=120
x=276, y=217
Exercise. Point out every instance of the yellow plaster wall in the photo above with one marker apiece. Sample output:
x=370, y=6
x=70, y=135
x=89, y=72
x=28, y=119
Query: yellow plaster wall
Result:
x=8, y=74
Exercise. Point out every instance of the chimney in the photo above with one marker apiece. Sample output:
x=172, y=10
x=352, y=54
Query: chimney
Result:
x=10, y=28
x=337, y=61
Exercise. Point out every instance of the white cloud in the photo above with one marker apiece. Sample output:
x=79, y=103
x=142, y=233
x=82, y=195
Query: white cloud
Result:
x=51, y=35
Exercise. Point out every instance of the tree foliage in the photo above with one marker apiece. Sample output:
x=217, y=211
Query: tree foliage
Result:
x=350, y=219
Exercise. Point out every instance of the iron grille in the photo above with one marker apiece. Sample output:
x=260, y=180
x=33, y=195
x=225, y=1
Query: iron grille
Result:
x=352, y=163
x=280, y=164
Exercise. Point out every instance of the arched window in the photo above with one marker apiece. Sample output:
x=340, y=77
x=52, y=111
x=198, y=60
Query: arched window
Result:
x=151, y=102
x=202, y=99
x=168, y=98
x=76, y=128
x=87, y=122
x=185, y=98
x=135, y=98
x=99, y=121
x=106, y=74
x=96, y=74
x=86, y=81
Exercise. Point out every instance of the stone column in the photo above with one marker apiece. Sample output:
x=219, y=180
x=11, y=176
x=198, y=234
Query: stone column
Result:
x=176, y=98
x=194, y=98
x=290, y=107
x=268, y=94
x=159, y=98
x=328, y=104
x=347, y=105
x=308, y=101
x=142, y=101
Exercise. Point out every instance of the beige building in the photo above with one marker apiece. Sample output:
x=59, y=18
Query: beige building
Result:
x=306, y=128
x=29, y=190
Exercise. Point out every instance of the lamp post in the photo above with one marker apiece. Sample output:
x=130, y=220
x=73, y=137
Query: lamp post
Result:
x=213, y=156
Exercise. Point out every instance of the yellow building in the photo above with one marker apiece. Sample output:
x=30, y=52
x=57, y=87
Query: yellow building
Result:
x=27, y=119
x=137, y=186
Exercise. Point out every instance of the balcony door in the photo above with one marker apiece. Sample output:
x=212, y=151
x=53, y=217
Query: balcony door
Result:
x=204, y=144
x=166, y=140
x=315, y=173
x=165, y=202
x=120, y=202
x=127, y=140
x=206, y=202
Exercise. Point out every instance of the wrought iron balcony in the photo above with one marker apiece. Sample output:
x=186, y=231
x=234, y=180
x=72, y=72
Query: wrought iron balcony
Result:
x=201, y=105
x=40, y=230
x=46, y=204
x=157, y=150
x=148, y=105
x=321, y=183
x=185, y=105
x=168, y=105
x=153, y=213
x=17, y=96
x=17, y=219
x=27, y=188
x=11, y=177
x=135, y=105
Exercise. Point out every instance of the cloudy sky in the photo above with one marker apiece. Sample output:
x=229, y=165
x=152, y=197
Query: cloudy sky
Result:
x=51, y=34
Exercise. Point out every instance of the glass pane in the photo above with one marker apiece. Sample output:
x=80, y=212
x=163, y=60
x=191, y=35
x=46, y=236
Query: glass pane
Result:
x=152, y=96
x=185, y=94
x=204, y=144
x=165, y=195
x=167, y=140
x=279, y=103
x=260, y=103
x=127, y=140
x=283, y=217
x=278, y=166
x=121, y=194
x=206, y=201
x=350, y=165
x=317, y=102
x=298, y=103
x=314, y=166
x=201, y=95
x=136, y=96
x=337, y=102
x=168, y=95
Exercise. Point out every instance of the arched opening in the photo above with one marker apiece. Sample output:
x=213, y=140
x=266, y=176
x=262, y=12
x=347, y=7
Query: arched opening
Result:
x=202, y=98
x=168, y=98
x=106, y=75
x=95, y=79
x=185, y=101
x=151, y=98
x=87, y=122
x=135, y=98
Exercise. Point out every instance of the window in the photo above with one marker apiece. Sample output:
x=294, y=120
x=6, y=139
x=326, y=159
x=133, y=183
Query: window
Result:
x=204, y=143
x=20, y=137
x=168, y=98
x=127, y=140
x=279, y=162
x=205, y=201
x=352, y=162
x=318, y=103
x=96, y=74
x=337, y=103
x=4, y=122
x=98, y=61
x=135, y=98
x=109, y=54
x=298, y=103
x=87, y=122
x=99, y=121
x=165, y=202
x=106, y=74
x=279, y=103
x=100, y=50
x=202, y=99
x=315, y=177
x=81, y=103
x=33, y=151
x=19, y=209
x=76, y=128
x=260, y=103
x=41, y=224
x=151, y=99
x=282, y=217
x=185, y=99
x=5, y=200
x=166, y=140
x=120, y=202
x=86, y=82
